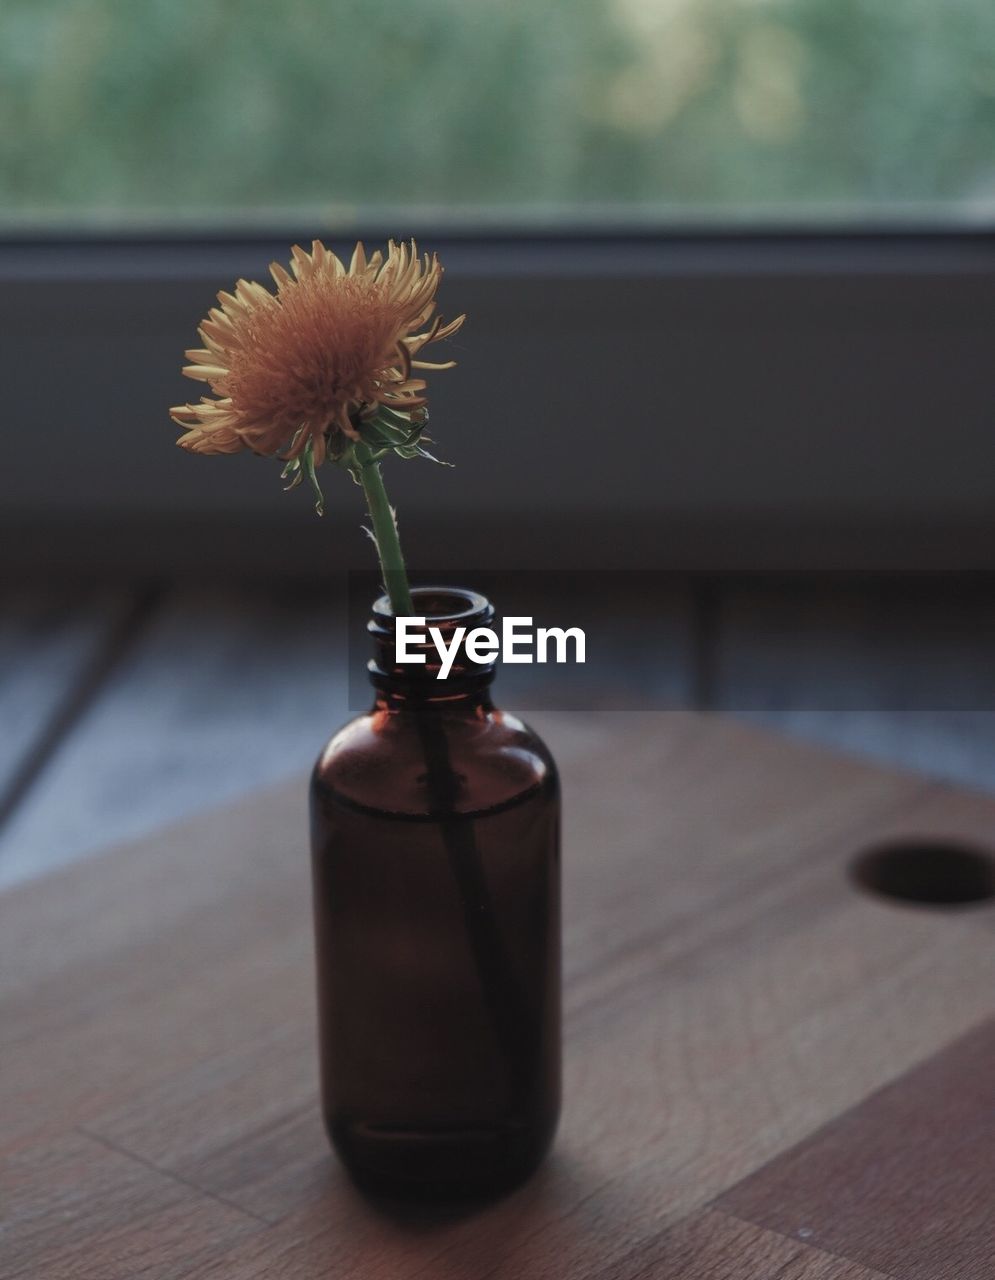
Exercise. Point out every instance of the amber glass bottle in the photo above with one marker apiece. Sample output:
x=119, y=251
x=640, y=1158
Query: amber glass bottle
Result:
x=435, y=846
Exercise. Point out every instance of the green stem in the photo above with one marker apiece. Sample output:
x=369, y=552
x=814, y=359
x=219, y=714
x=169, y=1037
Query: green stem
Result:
x=395, y=577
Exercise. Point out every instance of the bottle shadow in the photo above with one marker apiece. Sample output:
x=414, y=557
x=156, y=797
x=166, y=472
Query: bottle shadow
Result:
x=424, y=1213
x=475, y=1235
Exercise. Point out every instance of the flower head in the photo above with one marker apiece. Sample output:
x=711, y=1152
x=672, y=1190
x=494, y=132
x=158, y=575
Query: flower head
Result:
x=297, y=373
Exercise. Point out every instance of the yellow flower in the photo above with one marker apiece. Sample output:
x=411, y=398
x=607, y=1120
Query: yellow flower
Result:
x=313, y=360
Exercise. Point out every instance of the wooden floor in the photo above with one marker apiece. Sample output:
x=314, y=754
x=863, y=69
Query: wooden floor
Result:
x=127, y=706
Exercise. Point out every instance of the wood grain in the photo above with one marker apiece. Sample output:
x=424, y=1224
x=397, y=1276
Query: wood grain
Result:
x=213, y=671
x=52, y=647
x=717, y=1246
x=729, y=992
x=905, y=1181
x=74, y=1207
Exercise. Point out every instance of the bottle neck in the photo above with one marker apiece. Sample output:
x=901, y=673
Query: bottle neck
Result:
x=450, y=616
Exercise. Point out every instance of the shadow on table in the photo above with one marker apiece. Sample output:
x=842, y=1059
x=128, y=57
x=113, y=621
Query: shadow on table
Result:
x=453, y=1238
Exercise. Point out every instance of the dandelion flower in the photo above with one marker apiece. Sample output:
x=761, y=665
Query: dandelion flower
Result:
x=298, y=372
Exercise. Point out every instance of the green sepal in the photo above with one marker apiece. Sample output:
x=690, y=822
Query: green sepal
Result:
x=292, y=472
x=307, y=460
x=416, y=451
x=379, y=432
x=390, y=431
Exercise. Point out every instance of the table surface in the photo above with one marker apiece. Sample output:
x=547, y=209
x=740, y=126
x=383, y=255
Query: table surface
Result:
x=769, y=1072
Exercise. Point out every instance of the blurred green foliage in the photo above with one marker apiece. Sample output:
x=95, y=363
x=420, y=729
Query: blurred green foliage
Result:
x=221, y=112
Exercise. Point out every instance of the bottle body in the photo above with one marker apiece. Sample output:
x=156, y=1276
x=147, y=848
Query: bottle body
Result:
x=435, y=851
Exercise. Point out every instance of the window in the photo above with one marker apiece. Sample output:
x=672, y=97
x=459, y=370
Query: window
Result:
x=535, y=113
x=805, y=316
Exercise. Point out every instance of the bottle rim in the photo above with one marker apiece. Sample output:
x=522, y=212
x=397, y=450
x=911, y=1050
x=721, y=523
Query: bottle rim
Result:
x=435, y=604
x=449, y=609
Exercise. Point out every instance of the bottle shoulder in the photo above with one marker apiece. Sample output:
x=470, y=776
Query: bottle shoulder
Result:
x=402, y=763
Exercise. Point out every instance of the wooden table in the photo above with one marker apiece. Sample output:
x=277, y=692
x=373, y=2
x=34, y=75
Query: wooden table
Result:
x=769, y=1072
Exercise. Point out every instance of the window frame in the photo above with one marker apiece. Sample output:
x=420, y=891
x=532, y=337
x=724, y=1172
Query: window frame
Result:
x=136, y=299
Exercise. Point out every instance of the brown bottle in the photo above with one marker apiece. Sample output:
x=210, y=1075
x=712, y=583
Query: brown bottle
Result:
x=435, y=848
